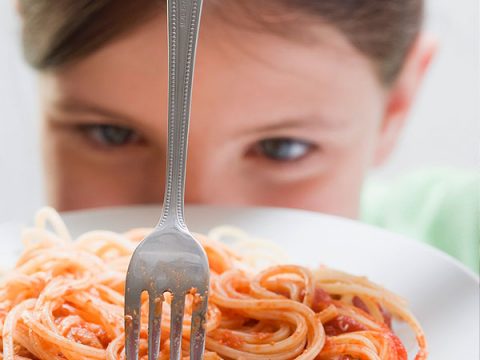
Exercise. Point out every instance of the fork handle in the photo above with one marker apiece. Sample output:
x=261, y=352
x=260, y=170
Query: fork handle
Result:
x=183, y=24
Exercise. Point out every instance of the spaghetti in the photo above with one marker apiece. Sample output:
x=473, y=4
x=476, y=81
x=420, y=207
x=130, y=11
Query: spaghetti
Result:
x=64, y=300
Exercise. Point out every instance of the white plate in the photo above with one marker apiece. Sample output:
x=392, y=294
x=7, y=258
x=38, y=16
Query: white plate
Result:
x=443, y=294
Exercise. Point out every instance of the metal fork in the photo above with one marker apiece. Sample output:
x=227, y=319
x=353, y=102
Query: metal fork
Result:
x=170, y=259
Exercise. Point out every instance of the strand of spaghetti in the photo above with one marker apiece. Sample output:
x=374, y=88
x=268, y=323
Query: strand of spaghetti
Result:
x=325, y=276
x=33, y=344
x=264, y=309
x=328, y=314
x=402, y=313
x=102, y=241
x=49, y=215
x=258, y=289
x=353, y=351
x=54, y=338
x=9, y=327
x=233, y=353
x=393, y=306
x=298, y=336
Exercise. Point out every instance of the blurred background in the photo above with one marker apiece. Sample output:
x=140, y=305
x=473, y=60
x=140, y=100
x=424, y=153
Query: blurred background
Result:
x=444, y=129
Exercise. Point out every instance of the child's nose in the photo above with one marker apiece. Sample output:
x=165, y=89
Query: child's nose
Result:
x=200, y=188
x=207, y=184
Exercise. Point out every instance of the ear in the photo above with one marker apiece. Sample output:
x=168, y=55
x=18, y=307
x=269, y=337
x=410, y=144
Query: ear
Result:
x=401, y=95
x=18, y=7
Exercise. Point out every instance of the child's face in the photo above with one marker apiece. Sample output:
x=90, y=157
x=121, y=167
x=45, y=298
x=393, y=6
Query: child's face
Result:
x=275, y=122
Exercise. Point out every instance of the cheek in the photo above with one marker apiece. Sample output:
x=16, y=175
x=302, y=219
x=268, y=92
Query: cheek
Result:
x=77, y=180
x=335, y=190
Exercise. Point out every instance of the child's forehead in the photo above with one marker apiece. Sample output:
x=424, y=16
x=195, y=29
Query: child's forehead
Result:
x=237, y=48
x=315, y=46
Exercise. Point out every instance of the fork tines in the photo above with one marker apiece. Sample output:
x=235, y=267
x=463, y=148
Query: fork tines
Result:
x=155, y=310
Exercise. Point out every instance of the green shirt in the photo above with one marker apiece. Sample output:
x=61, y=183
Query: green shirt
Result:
x=440, y=207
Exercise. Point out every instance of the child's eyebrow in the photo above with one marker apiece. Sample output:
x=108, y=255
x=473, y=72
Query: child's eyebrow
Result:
x=84, y=108
x=308, y=122
x=87, y=113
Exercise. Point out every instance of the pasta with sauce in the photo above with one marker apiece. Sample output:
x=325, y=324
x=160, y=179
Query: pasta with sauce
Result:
x=64, y=300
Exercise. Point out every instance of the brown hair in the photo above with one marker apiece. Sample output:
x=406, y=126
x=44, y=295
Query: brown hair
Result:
x=58, y=32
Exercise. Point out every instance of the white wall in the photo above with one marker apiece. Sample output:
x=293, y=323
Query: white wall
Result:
x=444, y=129
x=20, y=170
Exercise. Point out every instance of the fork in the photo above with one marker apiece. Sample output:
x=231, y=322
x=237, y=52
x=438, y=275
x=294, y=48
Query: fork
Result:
x=170, y=259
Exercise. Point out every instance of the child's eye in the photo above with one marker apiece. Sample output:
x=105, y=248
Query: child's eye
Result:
x=283, y=149
x=111, y=135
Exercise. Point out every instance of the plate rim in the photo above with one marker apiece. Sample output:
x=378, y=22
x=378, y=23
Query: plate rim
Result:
x=329, y=217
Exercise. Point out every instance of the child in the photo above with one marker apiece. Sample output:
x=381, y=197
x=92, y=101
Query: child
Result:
x=294, y=102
